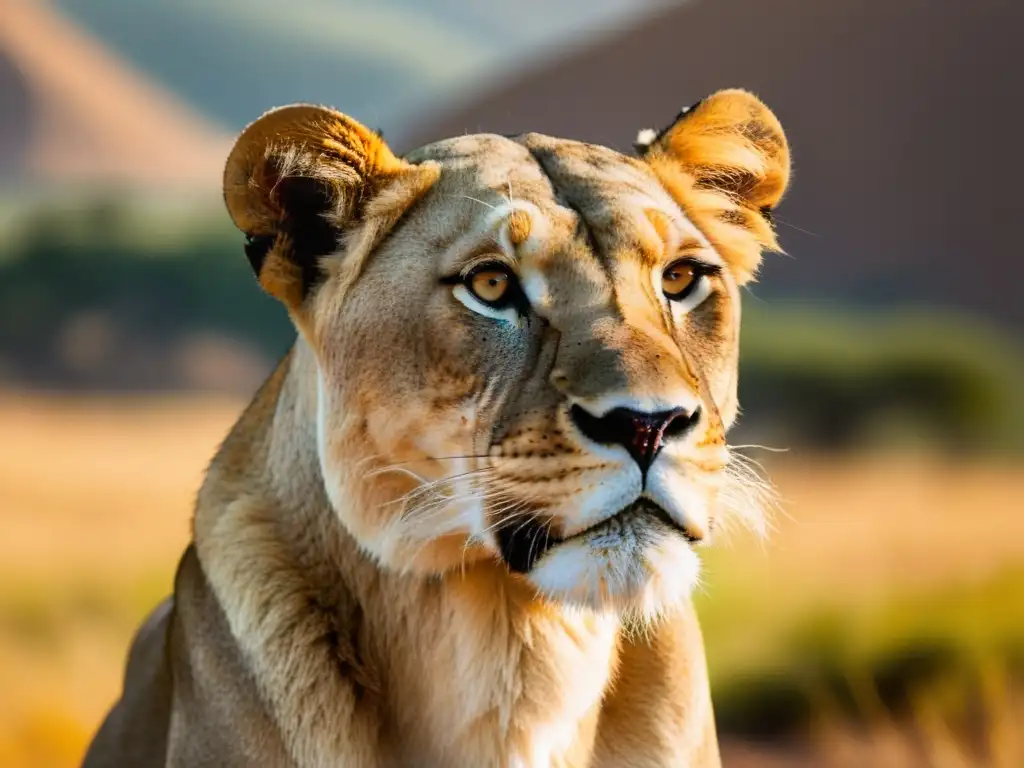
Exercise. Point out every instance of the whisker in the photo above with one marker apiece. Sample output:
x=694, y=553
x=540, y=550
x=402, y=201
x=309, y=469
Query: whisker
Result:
x=751, y=464
x=438, y=458
x=432, y=485
x=747, y=495
x=397, y=470
x=508, y=512
x=794, y=226
x=476, y=200
x=422, y=515
x=469, y=538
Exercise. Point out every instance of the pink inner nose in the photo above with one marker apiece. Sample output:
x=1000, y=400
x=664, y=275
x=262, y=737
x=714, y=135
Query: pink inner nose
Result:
x=642, y=434
x=647, y=435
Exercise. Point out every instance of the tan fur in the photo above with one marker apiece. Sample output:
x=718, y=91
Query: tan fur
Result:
x=350, y=599
x=724, y=163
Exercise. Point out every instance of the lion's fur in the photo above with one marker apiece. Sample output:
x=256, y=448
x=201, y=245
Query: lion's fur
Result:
x=346, y=601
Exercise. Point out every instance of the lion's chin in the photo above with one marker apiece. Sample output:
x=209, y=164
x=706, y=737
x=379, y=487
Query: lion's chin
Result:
x=635, y=573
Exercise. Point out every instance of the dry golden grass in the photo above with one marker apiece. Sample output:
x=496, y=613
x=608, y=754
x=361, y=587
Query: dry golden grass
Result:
x=924, y=740
x=95, y=498
x=863, y=531
x=868, y=525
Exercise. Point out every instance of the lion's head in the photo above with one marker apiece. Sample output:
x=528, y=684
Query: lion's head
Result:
x=525, y=348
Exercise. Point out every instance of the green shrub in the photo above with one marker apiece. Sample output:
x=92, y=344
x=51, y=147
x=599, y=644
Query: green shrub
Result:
x=839, y=379
x=160, y=278
x=868, y=662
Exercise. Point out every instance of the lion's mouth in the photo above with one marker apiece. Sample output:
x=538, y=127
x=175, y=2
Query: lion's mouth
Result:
x=524, y=542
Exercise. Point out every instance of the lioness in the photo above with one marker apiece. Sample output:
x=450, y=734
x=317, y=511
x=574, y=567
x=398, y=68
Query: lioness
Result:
x=456, y=526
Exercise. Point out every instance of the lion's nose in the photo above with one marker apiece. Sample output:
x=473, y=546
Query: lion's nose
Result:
x=642, y=434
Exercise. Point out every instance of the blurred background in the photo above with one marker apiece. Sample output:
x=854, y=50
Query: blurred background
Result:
x=881, y=624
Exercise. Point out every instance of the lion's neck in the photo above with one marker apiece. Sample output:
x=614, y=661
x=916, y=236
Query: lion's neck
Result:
x=475, y=667
x=470, y=666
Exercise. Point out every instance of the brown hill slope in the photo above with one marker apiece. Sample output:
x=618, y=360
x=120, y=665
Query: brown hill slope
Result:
x=71, y=112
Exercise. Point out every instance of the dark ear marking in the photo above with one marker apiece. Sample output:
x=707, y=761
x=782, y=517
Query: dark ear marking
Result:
x=304, y=230
x=646, y=138
x=684, y=112
x=305, y=200
x=256, y=249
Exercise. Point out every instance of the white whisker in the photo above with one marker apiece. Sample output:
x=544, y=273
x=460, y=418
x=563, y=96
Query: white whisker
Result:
x=476, y=200
x=747, y=496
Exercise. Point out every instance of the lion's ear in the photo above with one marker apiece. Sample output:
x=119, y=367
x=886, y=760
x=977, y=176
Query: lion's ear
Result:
x=731, y=146
x=730, y=141
x=295, y=180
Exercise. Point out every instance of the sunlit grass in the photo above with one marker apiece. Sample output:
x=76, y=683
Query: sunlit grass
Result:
x=938, y=658
x=882, y=624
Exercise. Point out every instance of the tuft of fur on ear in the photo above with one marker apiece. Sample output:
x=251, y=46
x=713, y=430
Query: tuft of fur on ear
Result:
x=726, y=162
x=296, y=178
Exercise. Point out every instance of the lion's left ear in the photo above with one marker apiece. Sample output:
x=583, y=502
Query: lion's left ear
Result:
x=297, y=179
x=730, y=141
x=730, y=144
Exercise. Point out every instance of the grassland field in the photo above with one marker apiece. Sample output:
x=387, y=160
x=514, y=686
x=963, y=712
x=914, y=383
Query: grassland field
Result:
x=871, y=556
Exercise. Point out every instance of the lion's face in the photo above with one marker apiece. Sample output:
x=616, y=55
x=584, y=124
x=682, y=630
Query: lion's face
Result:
x=528, y=351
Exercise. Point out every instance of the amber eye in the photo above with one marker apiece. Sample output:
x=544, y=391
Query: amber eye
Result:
x=491, y=283
x=680, y=278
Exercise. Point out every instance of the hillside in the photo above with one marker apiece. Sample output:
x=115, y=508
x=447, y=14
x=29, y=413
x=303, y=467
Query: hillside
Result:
x=383, y=62
x=72, y=112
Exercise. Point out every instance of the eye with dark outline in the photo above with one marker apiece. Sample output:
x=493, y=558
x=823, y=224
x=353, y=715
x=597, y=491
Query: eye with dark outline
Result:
x=492, y=289
x=492, y=283
x=683, y=277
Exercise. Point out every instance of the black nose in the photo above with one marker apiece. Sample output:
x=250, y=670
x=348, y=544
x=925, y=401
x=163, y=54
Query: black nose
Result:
x=642, y=434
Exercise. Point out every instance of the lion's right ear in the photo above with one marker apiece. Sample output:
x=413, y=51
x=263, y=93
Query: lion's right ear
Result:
x=296, y=179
